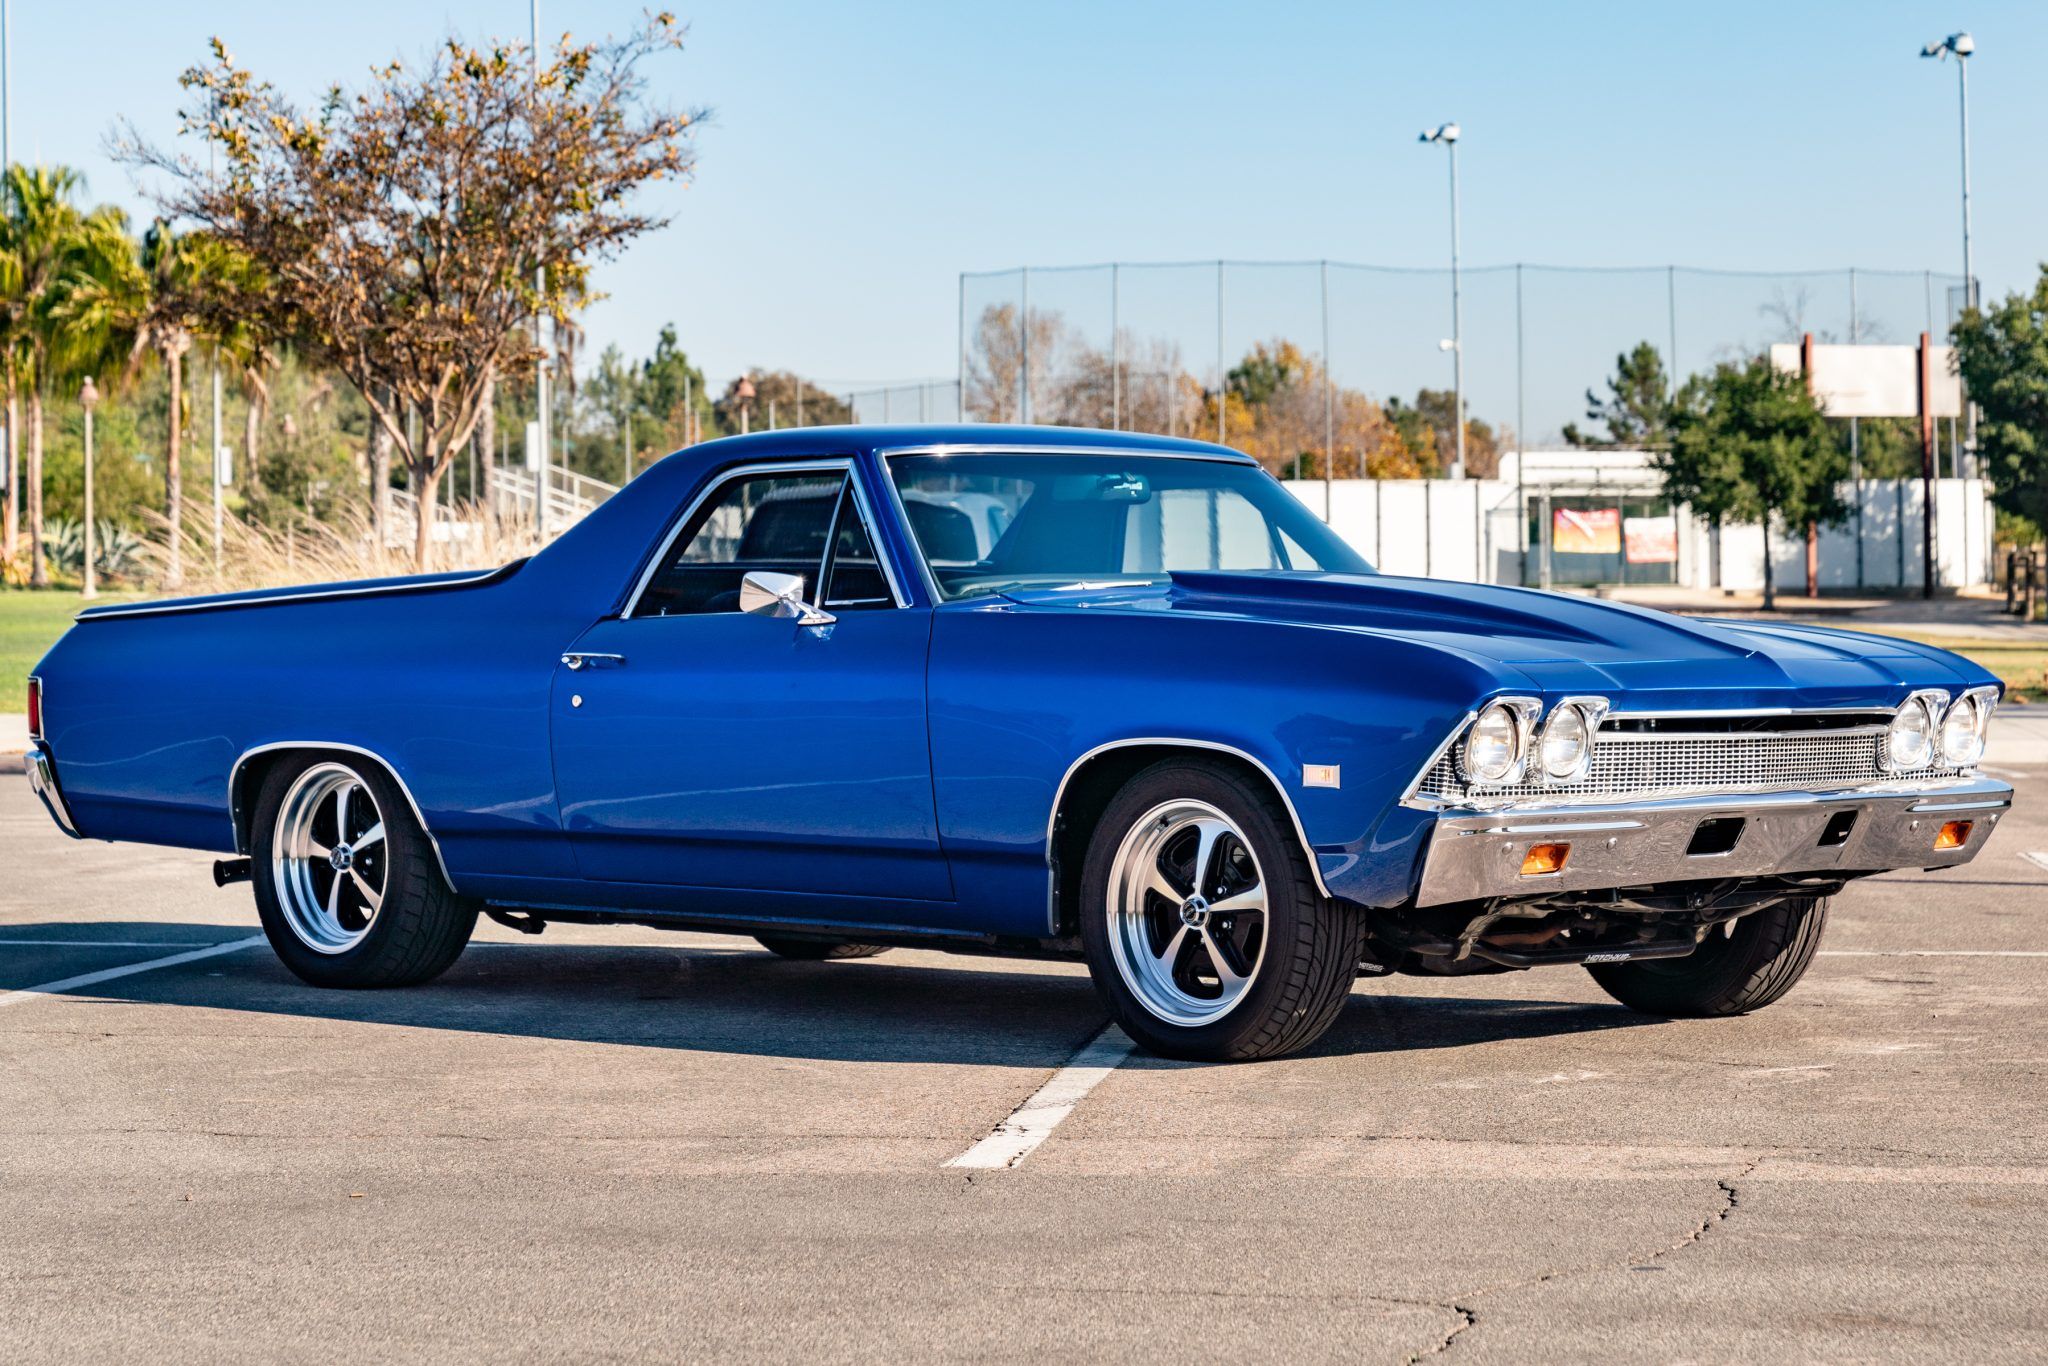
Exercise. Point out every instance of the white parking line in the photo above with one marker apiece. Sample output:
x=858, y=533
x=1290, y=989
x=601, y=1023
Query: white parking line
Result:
x=1934, y=953
x=88, y=979
x=1031, y=1123
x=2038, y=860
x=103, y=944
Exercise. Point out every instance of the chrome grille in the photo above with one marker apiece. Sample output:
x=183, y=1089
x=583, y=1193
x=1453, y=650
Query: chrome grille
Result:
x=1640, y=764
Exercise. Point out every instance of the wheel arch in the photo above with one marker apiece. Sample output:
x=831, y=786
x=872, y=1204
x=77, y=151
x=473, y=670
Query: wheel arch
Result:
x=246, y=778
x=1093, y=779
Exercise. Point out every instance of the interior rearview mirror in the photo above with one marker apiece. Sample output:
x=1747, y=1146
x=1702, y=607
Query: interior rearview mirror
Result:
x=765, y=593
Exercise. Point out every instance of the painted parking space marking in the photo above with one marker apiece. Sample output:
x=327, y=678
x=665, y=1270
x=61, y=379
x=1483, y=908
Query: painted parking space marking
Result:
x=1934, y=953
x=88, y=979
x=2038, y=860
x=104, y=944
x=1031, y=1123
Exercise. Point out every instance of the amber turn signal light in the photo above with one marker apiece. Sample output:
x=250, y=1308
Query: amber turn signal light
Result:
x=1954, y=835
x=1545, y=858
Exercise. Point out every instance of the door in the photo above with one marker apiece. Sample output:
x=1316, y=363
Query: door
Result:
x=699, y=746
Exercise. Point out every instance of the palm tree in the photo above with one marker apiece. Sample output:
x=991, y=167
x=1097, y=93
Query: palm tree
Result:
x=150, y=305
x=44, y=235
x=13, y=326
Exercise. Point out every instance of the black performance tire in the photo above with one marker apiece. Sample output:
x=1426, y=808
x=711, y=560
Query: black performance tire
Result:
x=816, y=950
x=421, y=926
x=1311, y=944
x=1728, y=974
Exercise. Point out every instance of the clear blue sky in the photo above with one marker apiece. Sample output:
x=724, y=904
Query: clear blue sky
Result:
x=861, y=155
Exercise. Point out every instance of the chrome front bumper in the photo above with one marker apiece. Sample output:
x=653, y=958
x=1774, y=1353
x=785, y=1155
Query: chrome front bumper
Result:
x=42, y=780
x=1474, y=856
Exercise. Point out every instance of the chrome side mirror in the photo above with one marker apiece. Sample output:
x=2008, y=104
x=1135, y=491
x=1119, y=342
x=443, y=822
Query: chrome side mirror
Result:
x=765, y=593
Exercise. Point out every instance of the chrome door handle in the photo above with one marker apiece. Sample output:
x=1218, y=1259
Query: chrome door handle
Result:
x=578, y=660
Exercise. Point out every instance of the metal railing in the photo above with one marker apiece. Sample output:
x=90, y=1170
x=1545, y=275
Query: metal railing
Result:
x=570, y=496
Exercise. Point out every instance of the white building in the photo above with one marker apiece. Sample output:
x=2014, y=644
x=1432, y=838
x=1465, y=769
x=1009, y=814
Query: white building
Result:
x=1601, y=517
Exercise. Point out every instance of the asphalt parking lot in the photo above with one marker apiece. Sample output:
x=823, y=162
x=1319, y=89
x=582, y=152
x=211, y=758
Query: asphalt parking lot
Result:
x=620, y=1143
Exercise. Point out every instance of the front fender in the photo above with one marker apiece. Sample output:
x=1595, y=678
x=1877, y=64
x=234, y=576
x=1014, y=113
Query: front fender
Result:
x=1021, y=695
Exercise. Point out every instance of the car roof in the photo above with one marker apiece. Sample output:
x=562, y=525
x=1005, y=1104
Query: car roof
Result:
x=958, y=436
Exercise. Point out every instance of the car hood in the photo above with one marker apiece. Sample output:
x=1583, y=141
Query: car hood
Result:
x=1562, y=643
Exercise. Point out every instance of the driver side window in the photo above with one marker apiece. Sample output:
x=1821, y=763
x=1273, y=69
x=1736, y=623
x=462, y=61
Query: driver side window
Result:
x=782, y=522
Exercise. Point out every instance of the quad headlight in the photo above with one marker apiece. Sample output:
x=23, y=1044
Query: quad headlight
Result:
x=1964, y=725
x=1565, y=751
x=1909, y=743
x=1497, y=747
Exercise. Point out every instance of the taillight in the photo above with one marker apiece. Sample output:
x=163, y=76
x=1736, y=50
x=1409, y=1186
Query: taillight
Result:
x=35, y=709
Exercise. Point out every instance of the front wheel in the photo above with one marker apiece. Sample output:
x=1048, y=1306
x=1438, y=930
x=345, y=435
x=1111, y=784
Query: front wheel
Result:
x=1760, y=958
x=1206, y=935
x=347, y=883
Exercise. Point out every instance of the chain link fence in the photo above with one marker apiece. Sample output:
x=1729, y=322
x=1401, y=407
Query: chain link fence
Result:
x=1147, y=346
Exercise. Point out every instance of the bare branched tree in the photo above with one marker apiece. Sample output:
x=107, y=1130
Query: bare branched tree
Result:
x=404, y=231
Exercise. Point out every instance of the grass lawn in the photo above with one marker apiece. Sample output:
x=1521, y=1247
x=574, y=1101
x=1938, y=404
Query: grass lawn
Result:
x=2022, y=664
x=30, y=622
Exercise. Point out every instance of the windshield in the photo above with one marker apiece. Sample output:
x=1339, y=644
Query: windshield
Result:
x=988, y=523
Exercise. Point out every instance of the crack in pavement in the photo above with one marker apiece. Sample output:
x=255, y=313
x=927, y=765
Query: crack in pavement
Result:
x=1464, y=1306
x=1468, y=1317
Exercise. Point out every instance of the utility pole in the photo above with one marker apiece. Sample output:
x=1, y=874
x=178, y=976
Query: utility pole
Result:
x=1447, y=134
x=1222, y=375
x=540, y=365
x=1116, y=371
x=12, y=466
x=88, y=399
x=1024, y=348
x=1329, y=404
x=219, y=474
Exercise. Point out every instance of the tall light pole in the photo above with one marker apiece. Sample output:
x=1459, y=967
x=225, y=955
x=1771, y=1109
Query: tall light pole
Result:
x=1961, y=45
x=219, y=474
x=540, y=365
x=10, y=521
x=213, y=455
x=1447, y=134
x=89, y=399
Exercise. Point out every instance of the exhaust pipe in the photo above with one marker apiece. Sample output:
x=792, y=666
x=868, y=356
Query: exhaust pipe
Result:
x=226, y=870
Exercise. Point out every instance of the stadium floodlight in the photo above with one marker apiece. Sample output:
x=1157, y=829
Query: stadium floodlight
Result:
x=1447, y=134
x=1960, y=46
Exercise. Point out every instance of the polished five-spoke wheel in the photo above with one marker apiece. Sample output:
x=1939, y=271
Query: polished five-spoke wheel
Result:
x=1206, y=932
x=1187, y=911
x=348, y=882
x=327, y=858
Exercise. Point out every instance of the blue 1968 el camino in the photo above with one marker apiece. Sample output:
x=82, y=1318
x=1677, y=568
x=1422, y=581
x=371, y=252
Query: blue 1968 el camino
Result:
x=1019, y=690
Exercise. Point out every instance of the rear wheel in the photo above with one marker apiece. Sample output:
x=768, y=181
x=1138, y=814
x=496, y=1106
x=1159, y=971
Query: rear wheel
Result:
x=347, y=883
x=816, y=950
x=1205, y=933
x=1732, y=972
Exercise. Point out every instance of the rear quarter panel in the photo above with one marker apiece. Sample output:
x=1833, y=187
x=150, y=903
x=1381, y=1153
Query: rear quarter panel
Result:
x=147, y=715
